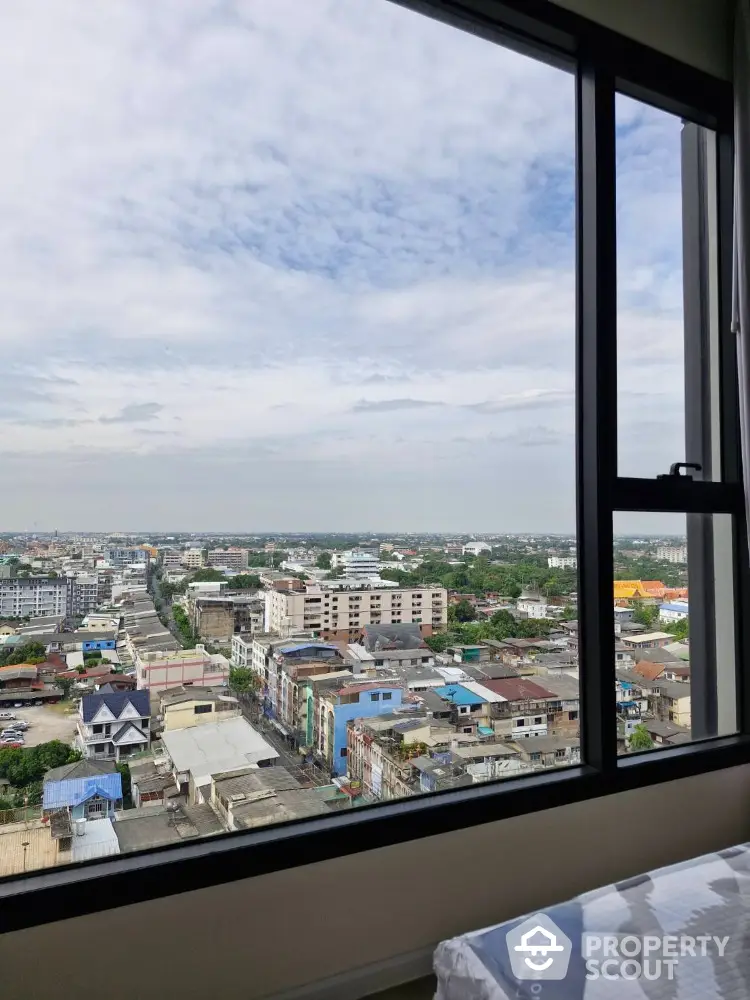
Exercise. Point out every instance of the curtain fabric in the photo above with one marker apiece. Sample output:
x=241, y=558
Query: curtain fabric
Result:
x=741, y=236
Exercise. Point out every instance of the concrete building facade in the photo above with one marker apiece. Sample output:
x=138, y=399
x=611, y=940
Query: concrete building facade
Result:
x=341, y=613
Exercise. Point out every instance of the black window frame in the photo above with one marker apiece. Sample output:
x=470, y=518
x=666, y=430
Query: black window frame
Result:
x=604, y=63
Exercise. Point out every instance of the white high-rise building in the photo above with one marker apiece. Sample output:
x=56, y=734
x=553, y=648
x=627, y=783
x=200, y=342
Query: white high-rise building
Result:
x=672, y=553
x=34, y=596
x=356, y=564
x=562, y=562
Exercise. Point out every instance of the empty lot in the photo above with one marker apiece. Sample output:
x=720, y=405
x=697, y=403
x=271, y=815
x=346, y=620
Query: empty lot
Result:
x=45, y=724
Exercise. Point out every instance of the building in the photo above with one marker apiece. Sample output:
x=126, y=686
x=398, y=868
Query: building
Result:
x=476, y=548
x=674, y=612
x=256, y=797
x=341, y=614
x=233, y=559
x=199, y=752
x=170, y=558
x=157, y=670
x=181, y=708
x=33, y=596
x=83, y=594
x=121, y=557
x=85, y=790
x=531, y=603
x=646, y=640
x=217, y=619
x=562, y=562
x=335, y=707
x=356, y=564
x=192, y=558
x=672, y=553
x=114, y=726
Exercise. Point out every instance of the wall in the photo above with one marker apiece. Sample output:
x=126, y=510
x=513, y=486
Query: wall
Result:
x=365, y=708
x=694, y=31
x=237, y=941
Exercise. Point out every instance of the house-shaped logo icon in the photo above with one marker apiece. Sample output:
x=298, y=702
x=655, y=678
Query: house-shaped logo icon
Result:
x=538, y=949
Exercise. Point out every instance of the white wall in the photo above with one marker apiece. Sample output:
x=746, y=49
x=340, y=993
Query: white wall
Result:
x=695, y=31
x=260, y=936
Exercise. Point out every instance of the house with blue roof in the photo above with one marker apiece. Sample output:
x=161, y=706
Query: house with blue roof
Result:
x=114, y=726
x=84, y=790
x=676, y=611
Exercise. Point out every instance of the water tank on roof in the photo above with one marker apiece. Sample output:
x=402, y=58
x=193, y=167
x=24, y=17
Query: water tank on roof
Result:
x=80, y=825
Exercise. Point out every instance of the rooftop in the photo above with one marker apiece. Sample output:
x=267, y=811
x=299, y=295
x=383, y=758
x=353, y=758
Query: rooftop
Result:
x=154, y=826
x=216, y=747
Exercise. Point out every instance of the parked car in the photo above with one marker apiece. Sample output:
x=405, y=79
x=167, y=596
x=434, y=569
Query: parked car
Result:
x=11, y=745
x=6, y=716
x=11, y=732
x=18, y=704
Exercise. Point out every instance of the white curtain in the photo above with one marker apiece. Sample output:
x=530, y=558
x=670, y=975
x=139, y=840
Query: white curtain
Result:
x=741, y=247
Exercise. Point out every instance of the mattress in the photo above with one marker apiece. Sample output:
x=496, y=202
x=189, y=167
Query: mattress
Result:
x=677, y=933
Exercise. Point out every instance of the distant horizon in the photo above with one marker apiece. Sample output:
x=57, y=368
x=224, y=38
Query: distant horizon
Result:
x=344, y=534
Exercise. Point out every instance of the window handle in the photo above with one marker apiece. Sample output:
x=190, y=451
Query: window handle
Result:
x=674, y=470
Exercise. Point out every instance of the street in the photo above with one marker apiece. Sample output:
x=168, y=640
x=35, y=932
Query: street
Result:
x=288, y=756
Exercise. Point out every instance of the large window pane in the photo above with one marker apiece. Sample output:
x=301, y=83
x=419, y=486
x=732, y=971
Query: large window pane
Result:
x=288, y=333
x=674, y=625
x=667, y=330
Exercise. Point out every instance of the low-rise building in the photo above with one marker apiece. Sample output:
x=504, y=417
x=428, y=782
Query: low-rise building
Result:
x=199, y=752
x=113, y=726
x=158, y=671
x=183, y=707
x=336, y=705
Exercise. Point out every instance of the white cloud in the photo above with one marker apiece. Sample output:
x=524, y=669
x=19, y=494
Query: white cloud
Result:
x=252, y=225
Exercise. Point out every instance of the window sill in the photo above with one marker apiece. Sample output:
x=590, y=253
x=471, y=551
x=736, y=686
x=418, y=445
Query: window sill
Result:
x=74, y=890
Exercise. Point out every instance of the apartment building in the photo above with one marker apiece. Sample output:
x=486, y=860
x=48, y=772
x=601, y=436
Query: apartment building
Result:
x=233, y=558
x=217, y=618
x=192, y=558
x=170, y=558
x=158, y=670
x=83, y=594
x=356, y=564
x=672, y=553
x=120, y=557
x=562, y=562
x=33, y=596
x=341, y=613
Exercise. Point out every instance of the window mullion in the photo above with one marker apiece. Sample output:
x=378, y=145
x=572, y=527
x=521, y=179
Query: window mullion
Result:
x=596, y=407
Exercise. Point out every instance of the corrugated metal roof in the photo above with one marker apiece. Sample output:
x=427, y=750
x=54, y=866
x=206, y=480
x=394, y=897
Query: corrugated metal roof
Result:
x=306, y=645
x=458, y=694
x=73, y=791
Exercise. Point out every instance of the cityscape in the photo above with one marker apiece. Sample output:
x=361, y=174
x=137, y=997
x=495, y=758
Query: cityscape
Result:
x=157, y=688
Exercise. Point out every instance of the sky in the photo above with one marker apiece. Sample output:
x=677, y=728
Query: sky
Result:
x=308, y=266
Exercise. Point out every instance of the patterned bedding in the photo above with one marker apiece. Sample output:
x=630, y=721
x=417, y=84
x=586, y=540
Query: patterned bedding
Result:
x=679, y=933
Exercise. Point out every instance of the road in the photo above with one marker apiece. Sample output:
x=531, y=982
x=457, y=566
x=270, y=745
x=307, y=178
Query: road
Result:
x=288, y=756
x=155, y=589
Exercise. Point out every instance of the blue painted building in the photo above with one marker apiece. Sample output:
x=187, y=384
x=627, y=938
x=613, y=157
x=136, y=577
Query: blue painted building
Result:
x=89, y=645
x=86, y=790
x=334, y=709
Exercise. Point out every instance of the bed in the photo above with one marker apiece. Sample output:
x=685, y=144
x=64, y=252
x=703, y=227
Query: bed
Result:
x=677, y=933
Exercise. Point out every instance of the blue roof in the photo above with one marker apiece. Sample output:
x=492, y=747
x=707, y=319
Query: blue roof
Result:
x=459, y=695
x=673, y=607
x=74, y=791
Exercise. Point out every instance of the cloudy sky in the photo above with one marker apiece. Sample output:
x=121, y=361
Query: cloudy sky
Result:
x=307, y=265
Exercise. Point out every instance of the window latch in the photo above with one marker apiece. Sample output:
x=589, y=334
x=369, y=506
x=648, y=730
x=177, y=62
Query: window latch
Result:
x=674, y=470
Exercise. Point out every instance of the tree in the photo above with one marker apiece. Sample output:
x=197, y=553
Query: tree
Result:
x=208, y=575
x=640, y=739
x=186, y=630
x=463, y=611
x=124, y=770
x=438, y=642
x=324, y=560
x=65, y=684
x=645, y=614
x=245, y=581
x=242, y=680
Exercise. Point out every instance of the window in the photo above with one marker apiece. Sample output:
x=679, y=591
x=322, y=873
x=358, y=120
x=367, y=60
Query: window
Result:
x=202, y=709
x=444, y=238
